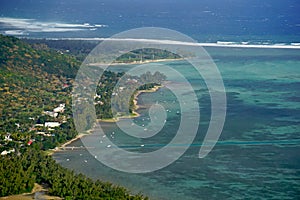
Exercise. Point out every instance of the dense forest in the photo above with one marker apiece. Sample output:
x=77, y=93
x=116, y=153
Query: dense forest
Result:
x=19, y=173
x=35, y=88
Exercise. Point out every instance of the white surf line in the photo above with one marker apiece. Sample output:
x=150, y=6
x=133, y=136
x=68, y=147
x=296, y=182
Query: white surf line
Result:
x=21, y=26
x=174, y=42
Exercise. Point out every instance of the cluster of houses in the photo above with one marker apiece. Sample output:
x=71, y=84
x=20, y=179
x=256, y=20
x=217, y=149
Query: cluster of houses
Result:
x=56, y=111
x=5, y=152
x=49, y=125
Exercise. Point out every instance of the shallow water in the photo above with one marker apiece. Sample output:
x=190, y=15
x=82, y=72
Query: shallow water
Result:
x=257, y=155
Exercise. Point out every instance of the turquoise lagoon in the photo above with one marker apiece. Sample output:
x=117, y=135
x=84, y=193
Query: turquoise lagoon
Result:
x=257, y=155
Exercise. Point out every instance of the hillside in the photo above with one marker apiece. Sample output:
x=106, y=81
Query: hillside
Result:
x=35, y=115
x=32, y=80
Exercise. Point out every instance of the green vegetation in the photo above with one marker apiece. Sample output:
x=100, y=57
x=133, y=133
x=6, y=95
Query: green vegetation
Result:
x=82, y=48
x=34, y=81
x=123, y=94
x=31, y=82
x=149, y=54
x=19, y=173
x=78, y=48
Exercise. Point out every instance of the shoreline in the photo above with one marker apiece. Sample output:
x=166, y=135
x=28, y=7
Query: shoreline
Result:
x=136, y=106
x=135, y=114
x=57, y=149
x=135, y=99
x=39, y=191
x=136, y=62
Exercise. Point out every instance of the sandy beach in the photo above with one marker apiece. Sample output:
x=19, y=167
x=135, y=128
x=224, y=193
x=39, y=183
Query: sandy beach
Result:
x=135, y=100
x=58, y=148
x=136, y=62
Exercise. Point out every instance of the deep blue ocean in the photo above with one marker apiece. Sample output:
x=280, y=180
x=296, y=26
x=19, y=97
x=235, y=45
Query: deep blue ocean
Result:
x=257, y=155
x=274, y=21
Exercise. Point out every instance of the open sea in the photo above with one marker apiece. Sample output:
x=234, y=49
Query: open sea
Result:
x=258, y=21
x=257, y=155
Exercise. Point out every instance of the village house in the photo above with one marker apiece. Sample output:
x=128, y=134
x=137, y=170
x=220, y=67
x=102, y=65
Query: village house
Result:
x=4, y=153
x=51, y=114
x=60, y=108
x=38, y=125
x=29, y=142
x=52, y=124
x=44, y=134
x=54, y=113
x=97, y=96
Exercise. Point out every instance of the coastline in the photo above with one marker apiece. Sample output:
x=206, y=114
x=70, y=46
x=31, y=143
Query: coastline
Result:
x=136, y=62
x=135, y=99
x=57, y=149
x=136, y=106
x=39, y=191
x=133, y=115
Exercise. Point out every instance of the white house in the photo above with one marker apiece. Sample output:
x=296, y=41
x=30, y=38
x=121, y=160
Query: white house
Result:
x=97, y=96
x=98, y=102
x=4, y=153
x=44, y=134
x=51, y=114
x=60, y=108
x=52, y=124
